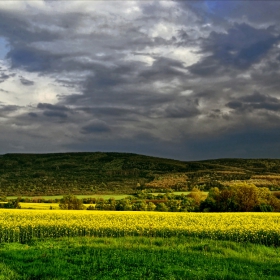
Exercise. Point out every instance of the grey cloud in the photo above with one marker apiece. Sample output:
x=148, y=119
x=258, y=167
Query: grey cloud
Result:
x=95, y=127
x=209, y=66
x=26, y=82
x=108, y=111
x=33, y=115
x=163, y=68
x=4, y=77
x=52, y=107
x=54, y=111
x=187, y=110
x=242, y=46
x=234, y=104
x=183, y=35
x=126, y=85
x=248, y=143
x=112, y=100
x=55, y=114
x=6, y=109
x=255, y=11
x=255, y=101
x=34, y=60
x=19, y=29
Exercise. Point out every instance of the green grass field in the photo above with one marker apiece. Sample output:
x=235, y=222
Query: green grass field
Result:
x=105, y=196
x=42, y=206
x=138, y=258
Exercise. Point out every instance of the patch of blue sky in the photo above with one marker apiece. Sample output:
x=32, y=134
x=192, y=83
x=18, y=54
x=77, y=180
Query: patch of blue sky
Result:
x=3, y=47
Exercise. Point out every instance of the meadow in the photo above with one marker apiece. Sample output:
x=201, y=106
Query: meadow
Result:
x=61, y=244
x=79, y=196
x=138, y=258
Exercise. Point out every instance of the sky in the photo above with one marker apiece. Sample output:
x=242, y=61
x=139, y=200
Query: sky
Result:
x=187, y=80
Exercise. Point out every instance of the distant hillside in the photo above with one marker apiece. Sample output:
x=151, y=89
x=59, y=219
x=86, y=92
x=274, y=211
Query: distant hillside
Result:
x=87, y=173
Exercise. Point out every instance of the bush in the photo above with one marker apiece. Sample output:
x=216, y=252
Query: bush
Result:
x=71, y=202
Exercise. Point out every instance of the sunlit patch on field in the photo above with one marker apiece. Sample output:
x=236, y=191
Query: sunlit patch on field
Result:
x=23, y=225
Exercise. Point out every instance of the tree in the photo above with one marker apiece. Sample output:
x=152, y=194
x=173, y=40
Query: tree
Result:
x=246, y=196
x=188, y=205
x=124, y=205
x=151, y=206
x=111, y=204
x=173, y=205
x=139, y=205
x=198, y=196
x=162, y=207
x=12, y=204
x=100, y=204
x=71, y=202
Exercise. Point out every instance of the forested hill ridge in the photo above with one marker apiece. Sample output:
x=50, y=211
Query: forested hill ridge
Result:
x=88, y=173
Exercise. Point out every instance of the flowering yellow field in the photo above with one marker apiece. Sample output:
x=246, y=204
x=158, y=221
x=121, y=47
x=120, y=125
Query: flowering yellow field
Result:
x=23, y=225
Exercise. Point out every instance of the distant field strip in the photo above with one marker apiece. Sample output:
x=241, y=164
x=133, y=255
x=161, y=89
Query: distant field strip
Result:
x=23, y=225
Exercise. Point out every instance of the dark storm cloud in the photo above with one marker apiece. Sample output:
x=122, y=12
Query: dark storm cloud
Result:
x=19, y=29
x=209, y=66
x=239, y=48
x=249, y=143
x=255, y=101
x=53, y=111
x=55, y=114
x=95, y=127
x=179, y=79
x=185, y=109
x=116, y=85
x=34, y=60
x=108, y=111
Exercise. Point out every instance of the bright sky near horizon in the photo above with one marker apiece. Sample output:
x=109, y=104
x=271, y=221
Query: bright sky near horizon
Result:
x=179, y=79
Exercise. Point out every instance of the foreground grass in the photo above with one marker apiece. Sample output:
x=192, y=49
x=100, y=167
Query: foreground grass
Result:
x=138, y=258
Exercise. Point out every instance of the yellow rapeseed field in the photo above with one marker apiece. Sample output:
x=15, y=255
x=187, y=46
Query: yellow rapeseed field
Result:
x=23, y=225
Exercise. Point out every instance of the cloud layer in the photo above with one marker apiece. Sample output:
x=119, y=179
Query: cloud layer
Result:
x=180, y=79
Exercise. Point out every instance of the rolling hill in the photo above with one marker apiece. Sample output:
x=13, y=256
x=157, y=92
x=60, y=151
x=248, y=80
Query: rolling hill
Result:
x=101, y=172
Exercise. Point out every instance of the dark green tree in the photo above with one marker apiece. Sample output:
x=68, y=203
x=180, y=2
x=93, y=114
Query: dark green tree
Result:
x=71, y=202
x=124, y=205
x=162, y=207
x=139, y=205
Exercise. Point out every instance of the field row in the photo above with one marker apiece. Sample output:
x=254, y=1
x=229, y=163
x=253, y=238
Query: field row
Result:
x=23, y=225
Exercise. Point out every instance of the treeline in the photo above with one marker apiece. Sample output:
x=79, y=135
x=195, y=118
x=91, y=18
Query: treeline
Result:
x=141, y=202
x=236, y=198
x=241, y=198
